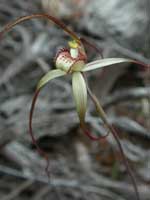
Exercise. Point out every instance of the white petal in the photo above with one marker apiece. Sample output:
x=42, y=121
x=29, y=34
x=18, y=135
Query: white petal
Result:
x=49, y=76
x=80, y=94
x=104, y=62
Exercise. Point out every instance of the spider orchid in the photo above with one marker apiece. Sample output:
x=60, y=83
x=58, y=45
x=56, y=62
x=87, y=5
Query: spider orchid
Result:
x=73, y=61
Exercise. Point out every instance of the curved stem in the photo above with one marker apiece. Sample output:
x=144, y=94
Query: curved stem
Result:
x=91, y=136
x=103, y=116
x=9, y=26
x=40, y=151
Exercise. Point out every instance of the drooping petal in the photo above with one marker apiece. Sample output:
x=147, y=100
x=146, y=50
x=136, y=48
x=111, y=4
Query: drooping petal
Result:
x=80, y=94
x=104, y=63
x=49, y=76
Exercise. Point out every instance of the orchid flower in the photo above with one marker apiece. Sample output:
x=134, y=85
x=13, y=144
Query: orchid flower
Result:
x=72, y=61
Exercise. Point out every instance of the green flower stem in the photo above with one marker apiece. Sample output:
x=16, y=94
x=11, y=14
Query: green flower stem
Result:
x=103, y=116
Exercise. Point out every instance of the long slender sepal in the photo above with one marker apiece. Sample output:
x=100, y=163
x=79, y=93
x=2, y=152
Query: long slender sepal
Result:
x=104, y=63
x=80, y=97
x=103, y=116
x=49, y=76
x=80, y=94
x=53, y=19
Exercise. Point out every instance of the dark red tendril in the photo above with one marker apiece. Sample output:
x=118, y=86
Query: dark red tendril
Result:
x=40, y=151
x=9, y=26
x=90, y=135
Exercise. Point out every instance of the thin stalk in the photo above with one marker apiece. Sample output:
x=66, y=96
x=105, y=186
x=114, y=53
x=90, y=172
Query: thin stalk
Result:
x=40, y=151
x=9, y=26
x=89, y=134
x=103, y=116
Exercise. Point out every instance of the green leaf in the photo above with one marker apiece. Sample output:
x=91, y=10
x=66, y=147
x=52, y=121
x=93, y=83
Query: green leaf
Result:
x=49, y=76
x=80, y=94
x=104, y=63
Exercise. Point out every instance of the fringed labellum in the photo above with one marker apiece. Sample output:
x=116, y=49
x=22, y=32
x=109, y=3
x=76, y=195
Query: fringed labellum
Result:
x=71, y=60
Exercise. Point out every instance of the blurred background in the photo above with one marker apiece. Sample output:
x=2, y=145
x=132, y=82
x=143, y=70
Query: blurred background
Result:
x=80, y=169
